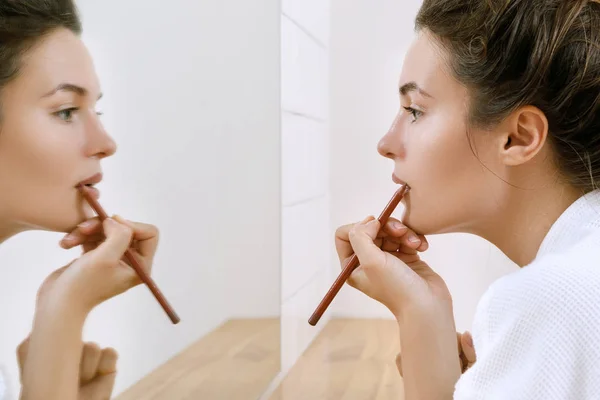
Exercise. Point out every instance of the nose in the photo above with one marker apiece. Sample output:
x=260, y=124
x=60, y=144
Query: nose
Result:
x=383, y=147
x=99, y=143
x=389, y=145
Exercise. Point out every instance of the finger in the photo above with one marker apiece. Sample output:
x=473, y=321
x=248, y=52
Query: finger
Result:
x=464, y=364
x=405, y=250
x=80, y=239
x=468, y=348
x=145, y=235
x=393, y=245
x=90, y=357
x=100, y=388
x=395, y=228
x=361, y=238
x=118, y=238
x=342, y=242
x=108, y=362
x=22, y=350
x=390, y=245
x=89, y=227
x=412, y=240
x=424, y=243
x=399, y=363
x=89, y=246
x=421, y=245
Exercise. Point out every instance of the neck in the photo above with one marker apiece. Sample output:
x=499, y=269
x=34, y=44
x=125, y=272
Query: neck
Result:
x=527, y=216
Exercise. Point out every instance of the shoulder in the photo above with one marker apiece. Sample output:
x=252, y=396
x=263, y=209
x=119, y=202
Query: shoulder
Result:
x=557, y=288
x=539, y=328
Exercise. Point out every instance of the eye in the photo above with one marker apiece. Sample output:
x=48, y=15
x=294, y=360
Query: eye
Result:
x=66, y=114
x=415, y=113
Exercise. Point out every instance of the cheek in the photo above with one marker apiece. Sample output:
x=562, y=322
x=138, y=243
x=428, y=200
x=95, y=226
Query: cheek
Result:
x=48, y=151
x=445, y=175
x=38, y=164
x=440, y=150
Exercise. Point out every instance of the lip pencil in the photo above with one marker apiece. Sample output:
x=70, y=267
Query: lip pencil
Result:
x=353, y=262
x=132, y=259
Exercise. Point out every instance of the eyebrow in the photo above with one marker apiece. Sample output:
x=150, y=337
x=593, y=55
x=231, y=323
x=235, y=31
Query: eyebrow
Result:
x=70, y=87
x=412, y=87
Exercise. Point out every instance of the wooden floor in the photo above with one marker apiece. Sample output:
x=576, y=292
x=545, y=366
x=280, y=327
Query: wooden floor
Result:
x=235, y=362
x=349, y=360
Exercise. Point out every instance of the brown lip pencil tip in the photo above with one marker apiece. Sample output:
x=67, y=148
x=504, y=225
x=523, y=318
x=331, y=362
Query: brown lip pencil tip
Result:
x=132, y=260
x=352, y=263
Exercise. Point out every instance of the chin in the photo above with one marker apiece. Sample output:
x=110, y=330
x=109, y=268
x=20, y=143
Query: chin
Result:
x=423, y=224
x=432, y=225
x=61, y=221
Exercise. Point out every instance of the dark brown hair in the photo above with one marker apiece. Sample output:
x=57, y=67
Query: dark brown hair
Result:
x=545, y=53
x=24, y=22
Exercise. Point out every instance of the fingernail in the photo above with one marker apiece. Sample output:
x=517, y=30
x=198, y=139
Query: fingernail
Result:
x=414, y=239
x=397, y=225
x=85, y=224
x=371, y=222
x=367, y=220
x=65, y=240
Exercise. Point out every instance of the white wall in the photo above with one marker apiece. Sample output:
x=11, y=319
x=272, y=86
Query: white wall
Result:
x=192, y=98
x=368, y=43
x=305, y=164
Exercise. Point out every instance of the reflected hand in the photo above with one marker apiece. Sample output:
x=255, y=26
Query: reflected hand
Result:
x=97, y=370
x=102, y=271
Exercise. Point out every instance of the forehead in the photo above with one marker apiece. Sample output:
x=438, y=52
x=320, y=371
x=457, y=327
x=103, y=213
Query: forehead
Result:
x=425, y=64
x=58, y=58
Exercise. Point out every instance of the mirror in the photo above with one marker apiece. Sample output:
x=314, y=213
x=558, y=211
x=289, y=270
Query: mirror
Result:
x=192, y=99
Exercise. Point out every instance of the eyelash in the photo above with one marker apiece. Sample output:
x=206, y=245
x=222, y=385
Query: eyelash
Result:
x=71, y=110
x=415, y=113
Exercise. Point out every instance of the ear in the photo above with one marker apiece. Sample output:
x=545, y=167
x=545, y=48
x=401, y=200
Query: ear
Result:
x=524, y=135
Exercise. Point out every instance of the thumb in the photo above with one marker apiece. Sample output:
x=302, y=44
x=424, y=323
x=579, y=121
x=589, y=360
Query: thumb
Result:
x=362, y=237
x=118, y=239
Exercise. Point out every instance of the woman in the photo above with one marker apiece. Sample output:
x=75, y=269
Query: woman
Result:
x=51, y=139
x=498, y=136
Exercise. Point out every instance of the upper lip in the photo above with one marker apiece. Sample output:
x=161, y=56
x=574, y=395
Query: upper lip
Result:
x=92, y=180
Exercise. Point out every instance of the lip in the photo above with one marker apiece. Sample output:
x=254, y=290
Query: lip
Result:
x=92, y=180
x=398, y=180
x=89, y=184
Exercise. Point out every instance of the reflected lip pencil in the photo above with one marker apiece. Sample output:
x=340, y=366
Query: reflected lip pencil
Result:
x=148, y=281
x=353, y=262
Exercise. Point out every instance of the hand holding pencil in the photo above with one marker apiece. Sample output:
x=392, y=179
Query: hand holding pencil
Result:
x=107, y=243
